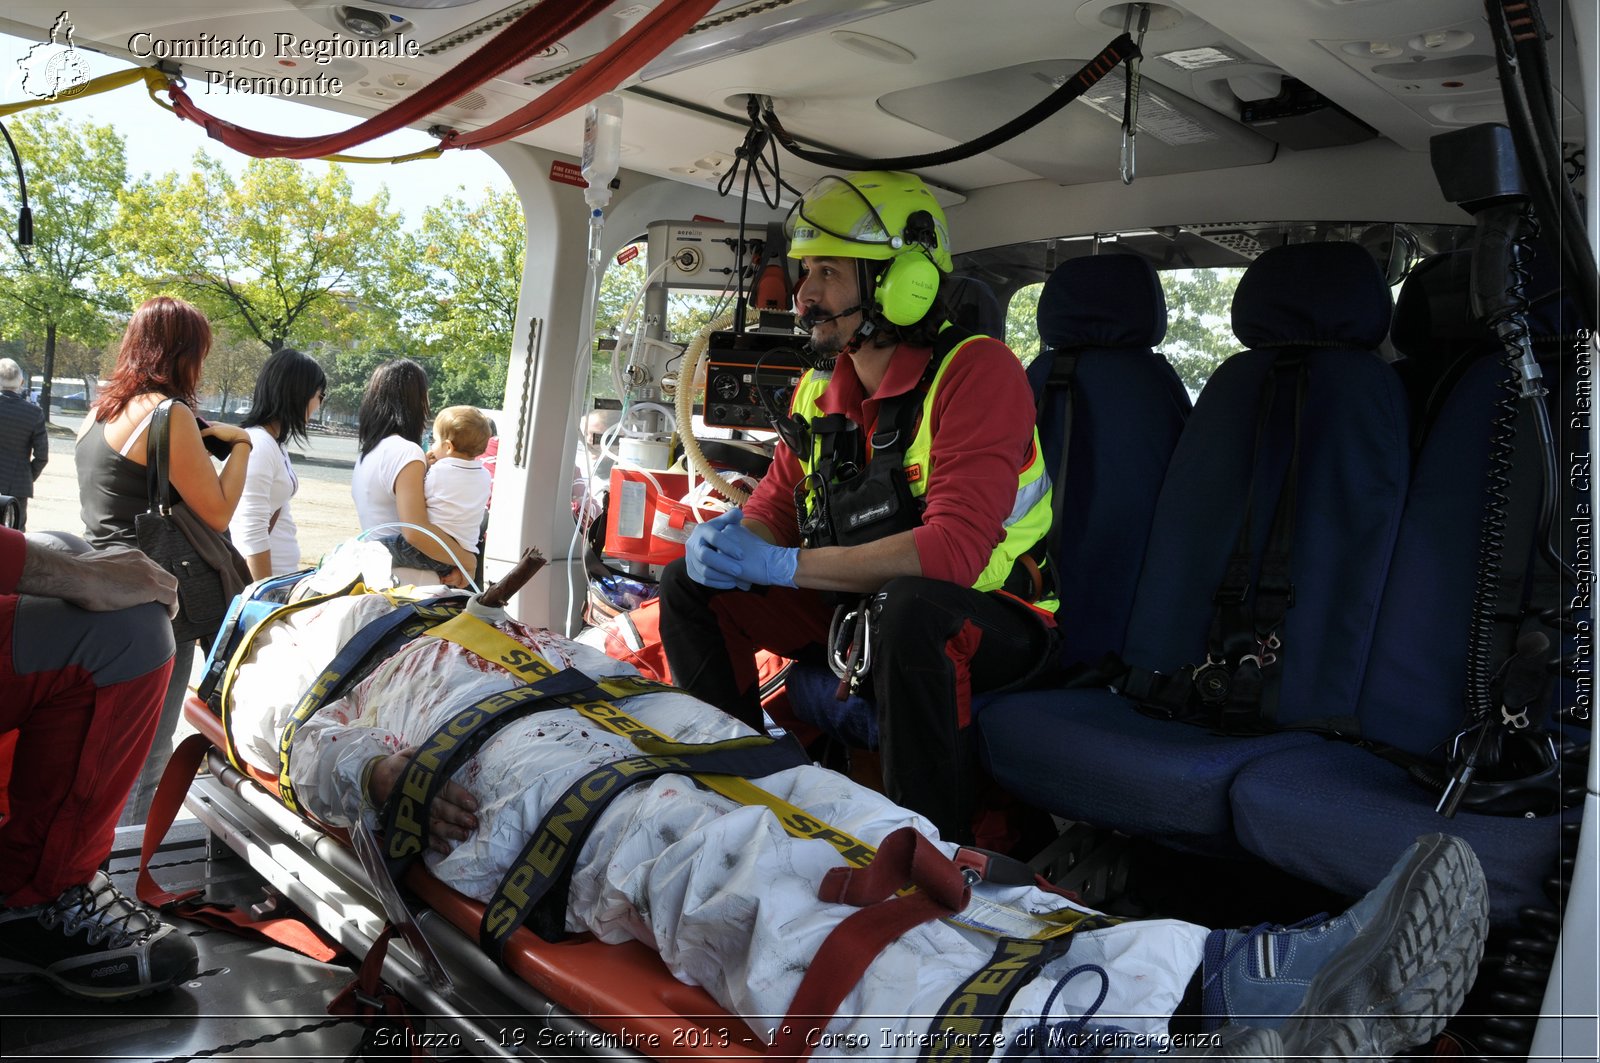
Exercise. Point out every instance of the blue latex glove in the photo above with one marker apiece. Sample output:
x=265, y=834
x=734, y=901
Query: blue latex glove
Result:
x=755, y=559
x=706, y=564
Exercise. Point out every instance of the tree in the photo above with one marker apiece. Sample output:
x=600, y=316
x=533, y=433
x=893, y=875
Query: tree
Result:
x=231, y=369
x=457, y=281
x=1199, y=316
x=63, y=290
x=279, y=254
x=1022, y=322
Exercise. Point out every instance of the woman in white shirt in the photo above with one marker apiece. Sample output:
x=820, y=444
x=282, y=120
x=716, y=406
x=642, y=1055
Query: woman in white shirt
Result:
x=289, y=391
x=387, y=483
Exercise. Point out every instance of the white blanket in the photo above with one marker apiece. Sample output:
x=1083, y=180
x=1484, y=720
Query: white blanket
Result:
x=727, y=898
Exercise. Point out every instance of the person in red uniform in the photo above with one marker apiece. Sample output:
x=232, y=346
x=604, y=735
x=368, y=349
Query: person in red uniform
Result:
x=85, y=652
x=909, y=473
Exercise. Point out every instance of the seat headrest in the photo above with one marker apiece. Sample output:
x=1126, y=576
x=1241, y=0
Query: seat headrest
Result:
x=1328, y=294
x=1433, y=313
x=1102, y=301
x=973, y=305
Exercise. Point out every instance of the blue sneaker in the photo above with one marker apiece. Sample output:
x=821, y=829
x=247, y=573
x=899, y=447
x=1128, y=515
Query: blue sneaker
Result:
x=1382, y=977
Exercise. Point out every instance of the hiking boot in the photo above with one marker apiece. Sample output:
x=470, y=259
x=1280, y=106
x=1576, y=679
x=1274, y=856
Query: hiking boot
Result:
x=1382, y=977
x=94, y=942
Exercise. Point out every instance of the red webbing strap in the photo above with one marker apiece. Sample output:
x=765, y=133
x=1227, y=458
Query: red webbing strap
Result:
x=370, y=1001
x=291, y=933
x=175, y=780
x=626, y=55
x=904, y=857
x=532, y=32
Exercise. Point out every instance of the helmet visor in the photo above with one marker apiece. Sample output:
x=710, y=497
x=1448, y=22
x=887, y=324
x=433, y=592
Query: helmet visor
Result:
x=833, y=207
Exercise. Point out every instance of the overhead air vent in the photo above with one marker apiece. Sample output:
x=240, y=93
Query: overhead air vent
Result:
x=1237, y=237
x=729, y=28
x=475, y=31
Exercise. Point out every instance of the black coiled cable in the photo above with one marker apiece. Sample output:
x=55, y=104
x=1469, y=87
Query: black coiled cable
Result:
x=1502, y=1011
x=1510, y=324
x=1491, y=546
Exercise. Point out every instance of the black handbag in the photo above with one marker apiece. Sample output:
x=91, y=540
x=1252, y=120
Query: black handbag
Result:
x=209, y=570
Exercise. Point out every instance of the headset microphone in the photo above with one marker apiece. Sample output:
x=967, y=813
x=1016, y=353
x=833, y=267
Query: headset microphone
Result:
x=809, y=321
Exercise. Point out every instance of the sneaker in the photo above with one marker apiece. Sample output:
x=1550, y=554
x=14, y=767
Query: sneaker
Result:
x=1382, y=977
x=95, y=942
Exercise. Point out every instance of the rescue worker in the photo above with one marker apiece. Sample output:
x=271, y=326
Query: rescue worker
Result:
x=909, y=472
x=85, y=652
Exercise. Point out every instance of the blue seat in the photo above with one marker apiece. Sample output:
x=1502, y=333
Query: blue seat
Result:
x=1435, y=334
x=1099, y=318
x=1088, y=754
x=973, y=305
x=1333, y=813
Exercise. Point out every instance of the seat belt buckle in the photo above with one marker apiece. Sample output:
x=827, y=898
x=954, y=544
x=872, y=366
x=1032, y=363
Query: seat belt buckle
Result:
x=984, y=865
x=1213, y=681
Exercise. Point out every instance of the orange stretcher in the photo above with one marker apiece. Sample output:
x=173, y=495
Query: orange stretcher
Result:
x=624, y=991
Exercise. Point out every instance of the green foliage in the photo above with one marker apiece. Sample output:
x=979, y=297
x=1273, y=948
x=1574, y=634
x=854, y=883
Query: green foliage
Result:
x=1199, y=316
x=455, y=284
x=1022, y=324
x=62, y=294
x=281, y=254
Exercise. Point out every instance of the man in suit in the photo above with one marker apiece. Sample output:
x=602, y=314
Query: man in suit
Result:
x=24, y=446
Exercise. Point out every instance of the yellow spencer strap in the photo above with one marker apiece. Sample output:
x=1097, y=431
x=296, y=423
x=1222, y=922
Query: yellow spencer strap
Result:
x=103, y=83
x=425, y=615
x=488, y=642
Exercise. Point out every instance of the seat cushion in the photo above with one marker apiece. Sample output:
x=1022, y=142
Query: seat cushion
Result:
x=1336, y=815
x=1088, y=755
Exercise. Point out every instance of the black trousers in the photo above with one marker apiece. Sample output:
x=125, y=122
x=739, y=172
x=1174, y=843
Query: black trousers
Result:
x=937, y=644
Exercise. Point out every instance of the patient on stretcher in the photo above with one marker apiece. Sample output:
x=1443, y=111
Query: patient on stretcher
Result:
x=730, y=898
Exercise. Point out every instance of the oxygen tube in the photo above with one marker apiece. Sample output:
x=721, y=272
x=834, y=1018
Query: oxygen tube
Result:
x=602, y=148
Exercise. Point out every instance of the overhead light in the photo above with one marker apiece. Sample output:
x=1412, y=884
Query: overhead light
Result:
x=742, y=27
x=1201, y=58
x=360, y=22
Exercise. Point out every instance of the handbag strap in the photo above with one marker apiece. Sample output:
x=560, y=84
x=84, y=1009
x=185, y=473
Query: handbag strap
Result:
x=158, y=459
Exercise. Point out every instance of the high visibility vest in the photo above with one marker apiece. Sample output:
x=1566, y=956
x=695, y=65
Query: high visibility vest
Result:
x=1024, y=527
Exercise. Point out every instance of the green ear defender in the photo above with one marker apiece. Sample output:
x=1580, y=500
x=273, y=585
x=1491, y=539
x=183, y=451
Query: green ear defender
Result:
x=909, y=286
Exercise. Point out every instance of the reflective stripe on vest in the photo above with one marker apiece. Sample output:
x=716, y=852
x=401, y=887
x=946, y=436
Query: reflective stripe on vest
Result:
x=1029, y=519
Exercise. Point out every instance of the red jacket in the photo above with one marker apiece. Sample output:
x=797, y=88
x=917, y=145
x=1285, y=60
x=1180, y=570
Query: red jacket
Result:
x=983, y=418
x=13, y=548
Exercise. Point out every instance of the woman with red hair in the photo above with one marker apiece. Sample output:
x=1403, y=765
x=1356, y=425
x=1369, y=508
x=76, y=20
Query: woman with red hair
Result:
x=162, y=351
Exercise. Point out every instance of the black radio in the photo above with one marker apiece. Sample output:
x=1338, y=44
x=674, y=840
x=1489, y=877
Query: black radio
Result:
x=749, y=373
